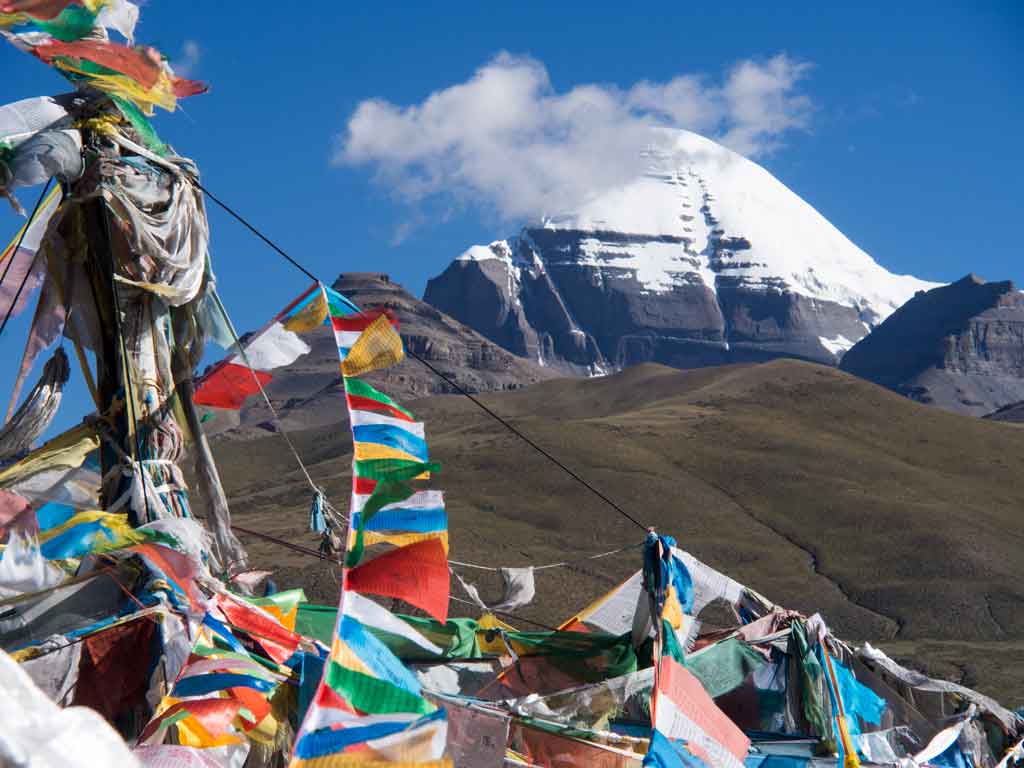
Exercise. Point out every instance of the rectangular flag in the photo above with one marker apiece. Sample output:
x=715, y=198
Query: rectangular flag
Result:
x=684, y=711
x=363, y=397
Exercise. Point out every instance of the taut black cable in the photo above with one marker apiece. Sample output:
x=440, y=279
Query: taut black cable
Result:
x=255, y=231
x=453, y=384
x=14, y=255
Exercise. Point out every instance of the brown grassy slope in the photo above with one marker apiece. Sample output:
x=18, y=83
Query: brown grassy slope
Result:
x=819, y=490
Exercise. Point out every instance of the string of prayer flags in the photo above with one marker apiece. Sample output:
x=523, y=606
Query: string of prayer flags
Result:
x=222, y=691
x=368, y=703
x=64, y=36
x=241, y=374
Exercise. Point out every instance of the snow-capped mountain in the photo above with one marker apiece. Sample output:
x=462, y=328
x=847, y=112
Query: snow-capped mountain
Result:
x=705, y=258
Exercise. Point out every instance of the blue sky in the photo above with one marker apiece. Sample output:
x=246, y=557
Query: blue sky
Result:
x=900, y=123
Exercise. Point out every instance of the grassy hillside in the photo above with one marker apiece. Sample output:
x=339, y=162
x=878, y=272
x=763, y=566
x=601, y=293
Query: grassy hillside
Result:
x=899, y=523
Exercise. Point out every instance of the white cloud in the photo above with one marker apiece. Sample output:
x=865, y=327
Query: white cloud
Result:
x=507, y=140
x=186, y=63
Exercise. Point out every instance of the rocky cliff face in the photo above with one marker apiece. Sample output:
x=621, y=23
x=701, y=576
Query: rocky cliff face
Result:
x=960, y=347
x=705, y=259
x=310, y=393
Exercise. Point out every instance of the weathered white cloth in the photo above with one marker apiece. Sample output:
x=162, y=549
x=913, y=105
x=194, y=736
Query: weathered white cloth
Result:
x=33, y=417
x=518, y=590
x=56, y=672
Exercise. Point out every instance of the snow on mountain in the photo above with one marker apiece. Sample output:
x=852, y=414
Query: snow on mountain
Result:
x=706, y=249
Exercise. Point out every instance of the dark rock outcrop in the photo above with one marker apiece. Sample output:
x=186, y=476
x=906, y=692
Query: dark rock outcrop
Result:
x=960, y=347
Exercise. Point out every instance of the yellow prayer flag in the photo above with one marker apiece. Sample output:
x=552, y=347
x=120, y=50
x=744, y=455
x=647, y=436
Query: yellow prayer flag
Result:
x=672, y=612
x=379, y=346
x=66, y=451
x=404, y=539
x=311, y=316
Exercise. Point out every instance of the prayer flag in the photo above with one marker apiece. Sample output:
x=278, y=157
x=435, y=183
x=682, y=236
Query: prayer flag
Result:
x=683, y=710
x=18, y=262
x=379, y=346
x=417, y=574
x=363, y=397
x=241, y=374
x=349, y=327
x=422, y=512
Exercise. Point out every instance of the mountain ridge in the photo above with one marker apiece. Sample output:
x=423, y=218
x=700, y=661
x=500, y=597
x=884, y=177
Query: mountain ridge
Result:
x=959, y=347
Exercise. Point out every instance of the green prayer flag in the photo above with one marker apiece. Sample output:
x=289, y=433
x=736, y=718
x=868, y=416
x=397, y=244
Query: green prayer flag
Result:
x=393, y=470
x=373, y=696
x=359, y=388
x=724, y=666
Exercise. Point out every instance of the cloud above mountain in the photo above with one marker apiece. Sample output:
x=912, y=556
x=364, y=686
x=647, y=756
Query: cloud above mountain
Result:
x=507, y=140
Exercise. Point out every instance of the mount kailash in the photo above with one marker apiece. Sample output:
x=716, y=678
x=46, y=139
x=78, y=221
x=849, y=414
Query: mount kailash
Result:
x=704, y=259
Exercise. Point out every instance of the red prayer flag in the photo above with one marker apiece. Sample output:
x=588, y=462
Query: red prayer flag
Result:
x=228, y=385
x=214, y=714
x=277, y=641
x=184, y=87
x=43, y=10
x=363, y=485
x=174, y=566
x=360, y=321
x=254, y=701
x=684, y=710
x=327, y=697
x=417, y=574
x=140, y=64
x=356, y=403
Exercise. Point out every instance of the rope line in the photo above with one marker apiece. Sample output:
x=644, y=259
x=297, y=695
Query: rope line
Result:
x=251, y=228
x=314, y=553
x=462, y=391
x=551, y=565
x=275, y=540
x=506, y=615
x=453, y=384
